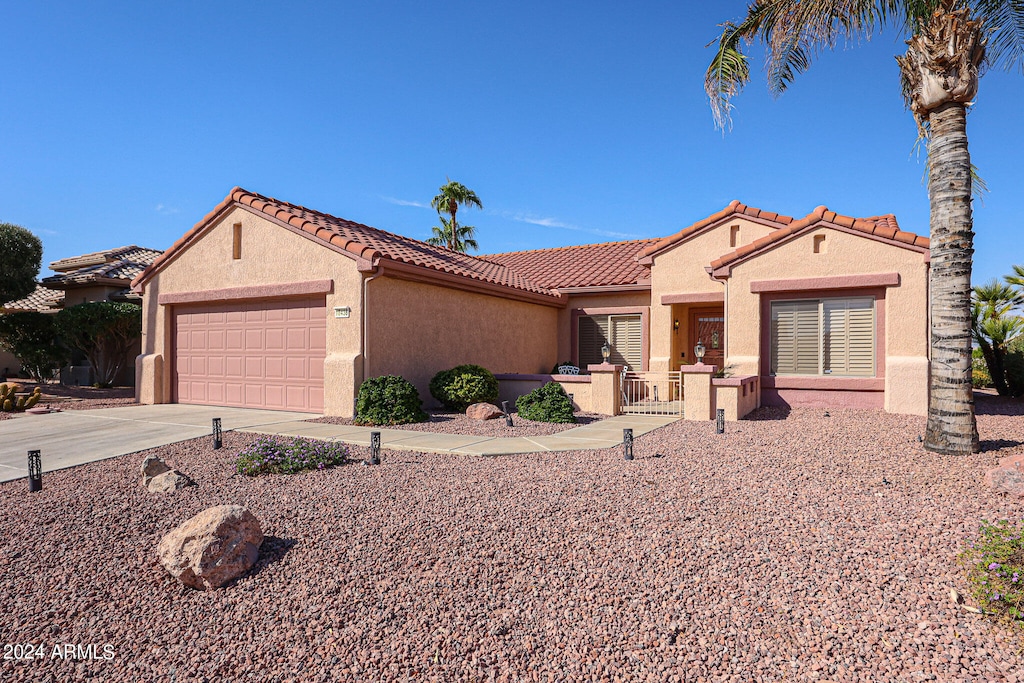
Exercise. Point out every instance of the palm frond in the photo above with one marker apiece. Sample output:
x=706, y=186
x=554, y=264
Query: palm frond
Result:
x=726, y=76
x=1004, y=21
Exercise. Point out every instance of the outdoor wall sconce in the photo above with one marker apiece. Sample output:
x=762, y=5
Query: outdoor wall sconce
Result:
x=675, y=325
x=606, y=351
x=698, y=351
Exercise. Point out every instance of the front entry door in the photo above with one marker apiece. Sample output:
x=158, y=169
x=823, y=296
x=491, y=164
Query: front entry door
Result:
x=708, y=325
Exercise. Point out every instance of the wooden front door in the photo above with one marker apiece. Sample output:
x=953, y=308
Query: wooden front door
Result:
x=708, y=325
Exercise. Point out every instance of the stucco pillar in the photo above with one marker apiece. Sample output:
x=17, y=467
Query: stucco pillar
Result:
x=149, y=376
x=605, y=388
x=698, y=396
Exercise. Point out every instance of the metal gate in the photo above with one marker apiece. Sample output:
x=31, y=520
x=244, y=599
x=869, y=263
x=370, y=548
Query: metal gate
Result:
x=652, y=393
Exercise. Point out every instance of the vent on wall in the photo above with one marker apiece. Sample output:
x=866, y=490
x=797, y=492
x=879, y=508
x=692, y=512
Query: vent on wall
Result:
x=236, y=241
x=819, y=244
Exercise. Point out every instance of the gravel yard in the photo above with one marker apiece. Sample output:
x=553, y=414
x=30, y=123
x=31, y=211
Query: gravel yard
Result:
x=58, y=396
x=457, y=423
x=793, y=547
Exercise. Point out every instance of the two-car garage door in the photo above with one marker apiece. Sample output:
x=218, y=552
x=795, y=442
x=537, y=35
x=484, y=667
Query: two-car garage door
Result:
x=261, y=354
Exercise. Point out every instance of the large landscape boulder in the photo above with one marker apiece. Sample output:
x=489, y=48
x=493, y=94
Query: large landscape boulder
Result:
x=216, y=546
x=483, y=411
x=1008, y=477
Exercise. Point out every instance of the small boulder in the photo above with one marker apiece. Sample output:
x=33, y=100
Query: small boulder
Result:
x=1008, y=477
x=169, y=481
x=152, y=466
x=214, y=547
x=483, y=411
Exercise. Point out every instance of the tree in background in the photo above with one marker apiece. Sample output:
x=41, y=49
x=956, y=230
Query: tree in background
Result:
x=950, y=42
x=104, y=331
x=449, y=198
x=32, y=337
x=995, y=329
x=21, y=255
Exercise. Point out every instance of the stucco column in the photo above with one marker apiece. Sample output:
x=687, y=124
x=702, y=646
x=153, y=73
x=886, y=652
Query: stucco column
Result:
x=698, y=396
x=605, y=388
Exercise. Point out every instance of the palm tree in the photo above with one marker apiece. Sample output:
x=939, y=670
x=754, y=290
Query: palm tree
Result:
x=458, y=240
x=994, y=329
x=449, y=198
x=950, y=41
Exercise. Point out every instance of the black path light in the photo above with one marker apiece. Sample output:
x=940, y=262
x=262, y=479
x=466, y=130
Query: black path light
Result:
x=35, y=472
x=720, y=421
x=508, y=416
x=217, y=440
x=374, y=448
x=627, y=444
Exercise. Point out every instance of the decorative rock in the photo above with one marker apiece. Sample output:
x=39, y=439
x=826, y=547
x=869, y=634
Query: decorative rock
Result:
x=1008, y=477
x=168, y=482
x=483, y=411
x=152, y=466
x=214, y=547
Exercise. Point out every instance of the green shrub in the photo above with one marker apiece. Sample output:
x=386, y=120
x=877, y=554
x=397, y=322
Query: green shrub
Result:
x=548, y=403
x=980, y=378
x=267, y=455
x=1013, y=364
x=464, y=385
x=389, y=400
x=995, y=569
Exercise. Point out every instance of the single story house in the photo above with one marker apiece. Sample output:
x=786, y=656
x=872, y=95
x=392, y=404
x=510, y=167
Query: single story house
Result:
x=100, y=276
x=273, y=305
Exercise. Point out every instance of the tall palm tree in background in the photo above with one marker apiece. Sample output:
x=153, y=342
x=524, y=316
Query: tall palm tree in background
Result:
x=449, y=198
x=950, y=42
x=460, y=239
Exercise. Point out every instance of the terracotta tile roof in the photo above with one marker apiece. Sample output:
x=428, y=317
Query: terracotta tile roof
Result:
x=734, y=207
x=123, y=263
x=884, y=227
x=362, y=241
x=587, y=265
x=42, y=299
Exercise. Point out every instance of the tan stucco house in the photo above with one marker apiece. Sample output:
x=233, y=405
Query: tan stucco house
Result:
x=269, y=304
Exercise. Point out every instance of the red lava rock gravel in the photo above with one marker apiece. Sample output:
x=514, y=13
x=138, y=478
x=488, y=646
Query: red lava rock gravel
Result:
x=59, y=396
x=458, y=423
x=794, y=547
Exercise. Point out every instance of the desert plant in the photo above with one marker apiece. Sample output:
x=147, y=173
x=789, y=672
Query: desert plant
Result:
x=10, y=401
x=548, y=403
x=979, y=371
x=32, y=337
x=388, y=400
x=464, y=385
x=104, y=331
x=267, y=455
x=995, y=569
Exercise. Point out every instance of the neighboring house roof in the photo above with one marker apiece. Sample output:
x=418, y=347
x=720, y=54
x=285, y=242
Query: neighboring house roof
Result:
x=883, y=228
x=113, y=266
x=587, y=265
x=734, y=208
x=364, y=243
x=42, y=299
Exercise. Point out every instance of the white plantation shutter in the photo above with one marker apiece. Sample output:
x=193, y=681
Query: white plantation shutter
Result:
x=623, y=333
x=830, y=336
x=795, y=338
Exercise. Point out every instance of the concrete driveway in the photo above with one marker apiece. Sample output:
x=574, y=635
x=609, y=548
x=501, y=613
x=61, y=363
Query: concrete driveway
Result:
x=79, y=436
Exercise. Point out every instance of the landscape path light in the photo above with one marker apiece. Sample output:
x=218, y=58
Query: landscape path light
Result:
x=374, y=448
x=217, y=439
x=627, y=444
x=35, y=472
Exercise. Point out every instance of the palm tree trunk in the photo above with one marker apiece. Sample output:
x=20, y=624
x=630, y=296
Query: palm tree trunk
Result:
x=952, y=428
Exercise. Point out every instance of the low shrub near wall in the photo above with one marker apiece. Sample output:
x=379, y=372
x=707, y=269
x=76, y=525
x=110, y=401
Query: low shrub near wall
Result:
x=389, y=400
x=464, y=385
x=548, y=403
x=270, y=456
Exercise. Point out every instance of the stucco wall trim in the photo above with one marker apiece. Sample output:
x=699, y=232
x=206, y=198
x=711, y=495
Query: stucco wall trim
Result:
x=413, y=273
x=824, y=283
x=561, y=379
x=642, y=286
x=823, y=383
x=252, y=292
x=362, y=264
x=693, y=298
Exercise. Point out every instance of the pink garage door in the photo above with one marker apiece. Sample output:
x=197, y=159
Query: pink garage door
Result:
x=254, y=355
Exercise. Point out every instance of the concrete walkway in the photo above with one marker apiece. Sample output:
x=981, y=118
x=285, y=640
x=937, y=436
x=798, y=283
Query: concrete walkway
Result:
x=80, y=436
x=603, y=434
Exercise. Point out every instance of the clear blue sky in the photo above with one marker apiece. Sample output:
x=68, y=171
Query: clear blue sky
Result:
x=578, y=122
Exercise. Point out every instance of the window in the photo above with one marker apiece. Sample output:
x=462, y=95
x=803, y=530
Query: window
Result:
x=833, y=337
x=623, y=333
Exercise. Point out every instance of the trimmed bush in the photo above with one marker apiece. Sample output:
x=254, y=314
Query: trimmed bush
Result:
x=389, y=400
x=464, y=385
x=267, y=455
x=548, y=403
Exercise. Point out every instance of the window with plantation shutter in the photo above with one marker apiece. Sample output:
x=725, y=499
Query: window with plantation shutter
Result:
x=623, y=333
x=823, y=337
